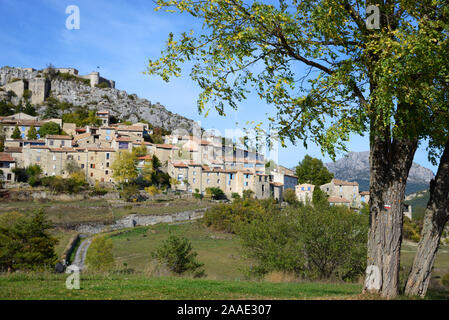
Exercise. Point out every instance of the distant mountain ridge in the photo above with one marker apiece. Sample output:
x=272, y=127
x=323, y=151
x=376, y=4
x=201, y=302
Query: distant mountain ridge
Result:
x=355, y=167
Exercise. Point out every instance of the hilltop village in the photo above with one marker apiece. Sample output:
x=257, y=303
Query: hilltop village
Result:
x=194, y=164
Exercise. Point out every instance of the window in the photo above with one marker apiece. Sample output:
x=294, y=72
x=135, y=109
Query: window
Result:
x=341, y=189
x=218, y=180
x=38, y=158
x=82, y=166
x=208, y=181
x=106, y=172
x=194, y=180
x=302, y=188
x=107, y=164
x=51, y=142
x=54, y=158
x=62, y=143
x=246, y=183
x=8, y=176
x=194, y=173
x=107, y=156
x=308, y=188
x=23, y=128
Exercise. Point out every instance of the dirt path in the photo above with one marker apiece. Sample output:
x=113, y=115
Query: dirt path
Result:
x=80, y=256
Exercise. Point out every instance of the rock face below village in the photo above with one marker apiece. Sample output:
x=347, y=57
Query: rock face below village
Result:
x=121, y=104
x=355, y=167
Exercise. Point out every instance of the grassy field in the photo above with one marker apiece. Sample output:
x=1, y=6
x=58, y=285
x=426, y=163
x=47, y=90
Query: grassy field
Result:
x=220, y=252
x=23, y=286
x=68, y=213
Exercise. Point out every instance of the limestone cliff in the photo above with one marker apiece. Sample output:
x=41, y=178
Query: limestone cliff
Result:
x=118, y=102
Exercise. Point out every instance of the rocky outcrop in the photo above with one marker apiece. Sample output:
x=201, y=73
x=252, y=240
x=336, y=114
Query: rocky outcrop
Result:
x=355, y=167
x=121, y=104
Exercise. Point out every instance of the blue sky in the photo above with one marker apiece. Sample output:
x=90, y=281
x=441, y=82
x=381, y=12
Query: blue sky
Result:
x=119, y=36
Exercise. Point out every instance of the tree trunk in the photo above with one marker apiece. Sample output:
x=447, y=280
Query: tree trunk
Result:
x=390, y=163
x=437, y=214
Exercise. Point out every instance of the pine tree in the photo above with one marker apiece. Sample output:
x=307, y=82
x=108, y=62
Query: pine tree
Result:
x=16, y=133
x=32, y=133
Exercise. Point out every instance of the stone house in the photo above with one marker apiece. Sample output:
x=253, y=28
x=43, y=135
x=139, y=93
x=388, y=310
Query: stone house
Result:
x=345, y=190
x=7, y=165
x=304, y=192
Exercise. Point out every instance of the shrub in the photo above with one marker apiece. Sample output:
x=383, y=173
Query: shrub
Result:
x=178, y=255
x=215, y=193
x=102, y=85
x=290, y=196
x=235, y=196
x=313, y=242
x=129, y=192
x=445, y=280
x=100, y=256
x=229, y=217
x=152, y=190
x=26, y=243
x=197, y=194
x=247, y=194
x=411, y=230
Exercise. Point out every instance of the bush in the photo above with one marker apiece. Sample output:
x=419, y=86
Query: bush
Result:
x=76, y=183
x=100, y=256
x=102, y=85
x=411, y=230
x=235, y=196
x=314, y=243
x=290, y=196
x=129, y=192
x=247, y=194
x=26, y=243
x=197, y=194
x=445, y=280
x=177, y=254
x=215, y=193
x=229, y=217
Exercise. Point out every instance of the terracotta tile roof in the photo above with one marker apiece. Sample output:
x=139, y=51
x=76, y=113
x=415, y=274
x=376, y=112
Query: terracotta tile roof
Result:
x=39, y=147
x=62, y=150
x=165, y=146
x=337, y=200
x=81, y=136
x=101, y=149
x=24, y=122
x=6, y=157
x=58, y=137
x=364, y=193
x=123, y=139
x=179, y=165
x=344, y=183
x=130, y=128
x=277, y=184
x=147, y=157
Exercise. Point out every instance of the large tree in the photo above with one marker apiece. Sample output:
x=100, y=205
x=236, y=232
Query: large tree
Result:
x=311, y=170
x=124, y=166
x=329, y=73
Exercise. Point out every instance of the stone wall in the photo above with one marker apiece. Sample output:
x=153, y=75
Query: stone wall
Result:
x=134, y=220
x=40, y=90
